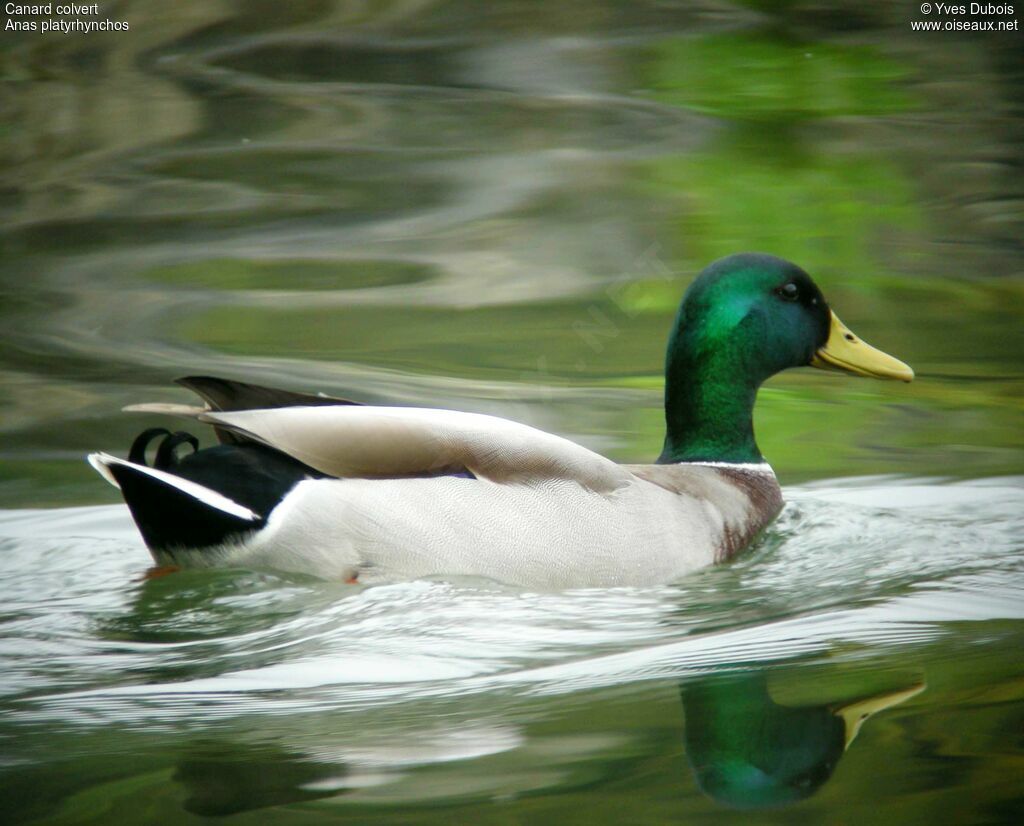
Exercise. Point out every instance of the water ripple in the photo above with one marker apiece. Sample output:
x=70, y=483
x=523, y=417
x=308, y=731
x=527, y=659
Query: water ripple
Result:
x=852, y=567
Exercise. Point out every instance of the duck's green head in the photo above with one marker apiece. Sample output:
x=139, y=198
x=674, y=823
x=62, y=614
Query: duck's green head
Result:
x=744, y=319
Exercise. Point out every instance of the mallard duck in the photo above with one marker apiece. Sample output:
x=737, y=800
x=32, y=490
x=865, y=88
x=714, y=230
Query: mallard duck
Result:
x=323, y=486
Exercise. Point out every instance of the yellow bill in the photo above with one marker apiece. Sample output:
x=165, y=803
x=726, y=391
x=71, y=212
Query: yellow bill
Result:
x=855, y=712
x=844, y=351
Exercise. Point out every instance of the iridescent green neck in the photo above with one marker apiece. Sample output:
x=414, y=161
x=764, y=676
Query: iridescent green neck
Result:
x=709, y=403
x=743, y=319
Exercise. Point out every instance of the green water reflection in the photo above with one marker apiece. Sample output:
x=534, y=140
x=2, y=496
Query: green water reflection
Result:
x=749, y=751
x=501, y=235
x=753, y=744
x=768, y=75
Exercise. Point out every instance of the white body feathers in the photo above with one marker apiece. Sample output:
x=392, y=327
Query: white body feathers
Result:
x=542, y=512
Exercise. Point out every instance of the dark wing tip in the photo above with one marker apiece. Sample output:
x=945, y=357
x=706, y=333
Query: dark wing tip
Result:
x=228, y=395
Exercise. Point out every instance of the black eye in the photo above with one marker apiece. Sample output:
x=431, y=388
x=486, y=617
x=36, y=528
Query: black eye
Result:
x=788, y=292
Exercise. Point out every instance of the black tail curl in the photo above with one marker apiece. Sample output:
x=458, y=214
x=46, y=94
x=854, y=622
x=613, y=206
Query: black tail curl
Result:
x=254, y=476
x=166, y=458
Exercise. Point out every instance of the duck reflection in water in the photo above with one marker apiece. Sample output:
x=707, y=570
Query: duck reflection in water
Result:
x=749, y=751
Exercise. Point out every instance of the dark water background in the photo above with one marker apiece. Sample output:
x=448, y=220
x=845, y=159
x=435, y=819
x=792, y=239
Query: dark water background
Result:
x=495, y=207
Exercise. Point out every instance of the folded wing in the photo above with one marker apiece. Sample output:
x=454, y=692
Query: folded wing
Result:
x=373, y=442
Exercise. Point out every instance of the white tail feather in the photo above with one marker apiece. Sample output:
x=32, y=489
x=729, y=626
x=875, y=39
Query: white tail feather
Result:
x=103, y=461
